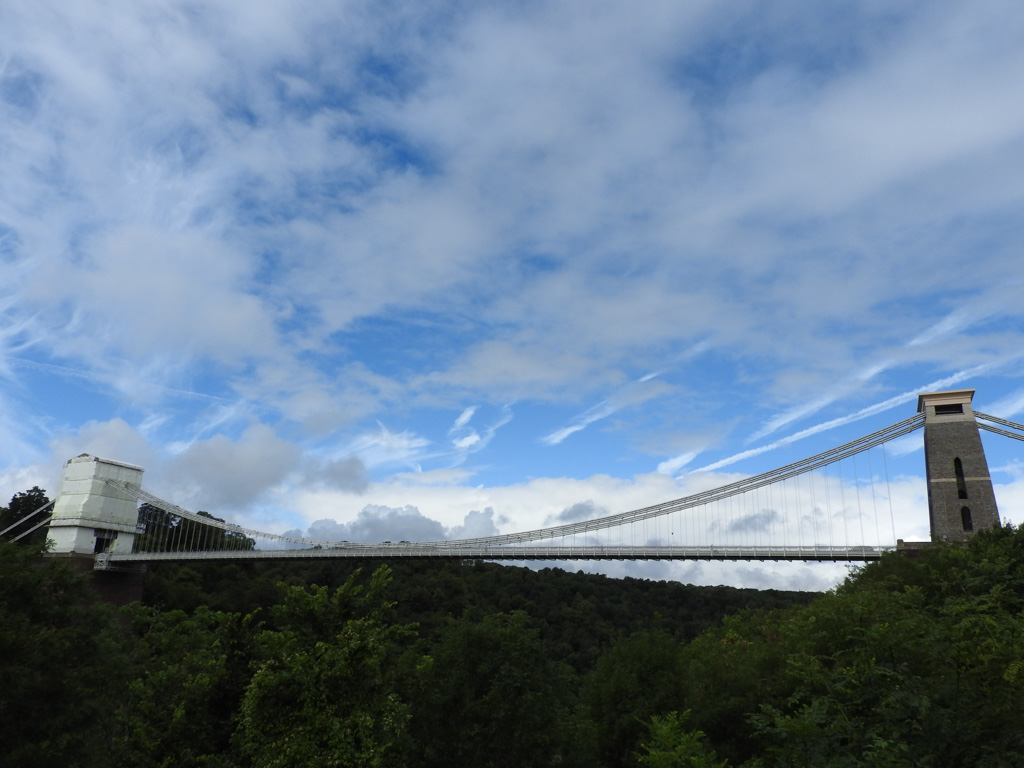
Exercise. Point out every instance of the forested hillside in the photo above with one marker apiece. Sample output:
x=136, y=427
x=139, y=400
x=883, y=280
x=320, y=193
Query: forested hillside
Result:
x=578, y=615
x=910, y=662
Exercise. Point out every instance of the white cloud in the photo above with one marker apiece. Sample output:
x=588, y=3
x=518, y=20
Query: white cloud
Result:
x=1007, y=407
x=376, y=523
x=584, y=510
x=387, y=447
x=463, y=418
x=598, y=412
x=908, y=444
x=222, y=473
x=528, y=504
x=114, y=439
x=863, y=413
x=348, y=474
x=673, y=465
x=466, y=441
x=184, y=293
x=476, y=524
x=635, y=393
x=588, y=152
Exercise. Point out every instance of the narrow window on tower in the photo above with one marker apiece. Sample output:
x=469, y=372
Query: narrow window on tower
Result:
x=965, y=518
x=961, y=484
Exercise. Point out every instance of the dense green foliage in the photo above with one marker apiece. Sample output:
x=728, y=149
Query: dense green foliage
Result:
x=492, y=696
x=911, y=662
x=324, y=685
x=578, y=615
x=18, y=516
x=60, y=670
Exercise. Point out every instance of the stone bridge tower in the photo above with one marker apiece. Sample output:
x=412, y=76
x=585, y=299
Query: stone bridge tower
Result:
x=960, y=496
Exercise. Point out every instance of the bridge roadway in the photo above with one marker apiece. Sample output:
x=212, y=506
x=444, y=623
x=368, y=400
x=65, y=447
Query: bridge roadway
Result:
x=472, y=552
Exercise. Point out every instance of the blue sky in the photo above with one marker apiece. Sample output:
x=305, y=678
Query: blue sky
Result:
x=330, y=261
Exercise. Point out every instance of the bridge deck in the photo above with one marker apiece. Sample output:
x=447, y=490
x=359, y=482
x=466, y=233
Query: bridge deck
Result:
x=395, y=551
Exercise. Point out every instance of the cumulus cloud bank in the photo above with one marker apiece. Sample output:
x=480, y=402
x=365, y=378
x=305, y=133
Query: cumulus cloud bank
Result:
x=376, y=523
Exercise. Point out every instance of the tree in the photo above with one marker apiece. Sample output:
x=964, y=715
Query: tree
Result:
x=639, y=677
x=325, y=688
x=729, y=672
x=910, y=662
x=63, y=664
x=670, y=745
x=22, y=505
x=891, y=675
x=492, y=697
x=191, y=673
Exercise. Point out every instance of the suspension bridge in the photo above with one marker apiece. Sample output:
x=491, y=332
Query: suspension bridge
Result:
x=833, y=506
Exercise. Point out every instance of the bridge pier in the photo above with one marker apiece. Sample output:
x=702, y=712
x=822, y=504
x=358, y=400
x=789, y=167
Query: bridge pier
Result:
x=960, y=496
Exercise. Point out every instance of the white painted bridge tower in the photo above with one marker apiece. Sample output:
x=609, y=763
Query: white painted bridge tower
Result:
x=90, y=516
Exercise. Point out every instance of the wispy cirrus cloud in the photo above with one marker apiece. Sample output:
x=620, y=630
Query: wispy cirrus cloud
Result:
x=466, y=440
x=955, y=322
x=463, y=419
x=1008, y=406
x=858, y=415
x=600, y=411
x=385, y=447
x=636, y=392
x=673, y=465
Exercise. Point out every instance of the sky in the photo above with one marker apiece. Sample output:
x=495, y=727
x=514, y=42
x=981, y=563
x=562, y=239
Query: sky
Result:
x=471, y=267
